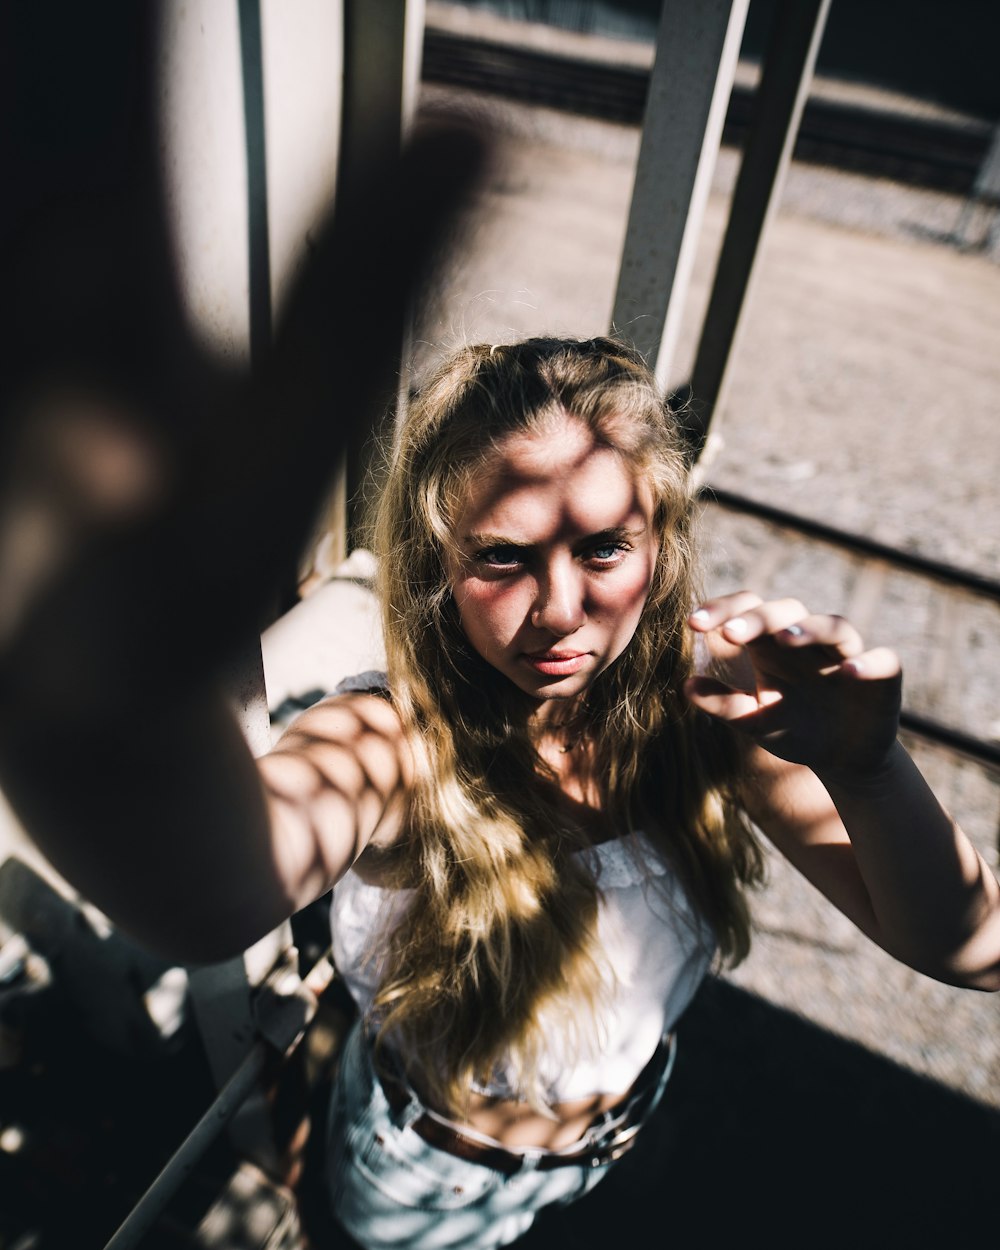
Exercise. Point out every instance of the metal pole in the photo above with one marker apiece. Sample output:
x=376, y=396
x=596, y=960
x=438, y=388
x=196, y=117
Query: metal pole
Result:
x=781, y=95
x=285, y=1013
x=143, y=1216
x=985, y=190
x=258, y=232
x=696, y=52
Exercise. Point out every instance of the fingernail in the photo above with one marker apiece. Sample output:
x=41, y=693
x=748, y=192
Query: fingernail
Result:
x=794, y=631
x=737, y=625
x=701, y=616
x=853, y=666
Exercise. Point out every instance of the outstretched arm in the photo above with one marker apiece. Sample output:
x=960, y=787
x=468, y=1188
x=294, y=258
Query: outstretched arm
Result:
x=835, y=791
x=153, y=499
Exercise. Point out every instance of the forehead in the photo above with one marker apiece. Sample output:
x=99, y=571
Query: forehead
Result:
x=537, y=484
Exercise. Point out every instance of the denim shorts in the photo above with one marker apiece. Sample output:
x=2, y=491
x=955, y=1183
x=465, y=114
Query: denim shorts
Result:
x=391, y=1188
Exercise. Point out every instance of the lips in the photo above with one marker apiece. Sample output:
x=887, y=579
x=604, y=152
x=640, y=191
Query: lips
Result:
x=557, y=663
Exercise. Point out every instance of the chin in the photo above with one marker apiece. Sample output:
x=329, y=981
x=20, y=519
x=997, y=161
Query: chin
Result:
x=560, y=688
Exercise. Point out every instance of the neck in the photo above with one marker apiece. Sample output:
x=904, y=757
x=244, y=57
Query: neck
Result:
x=563, y=720
x=564, y=744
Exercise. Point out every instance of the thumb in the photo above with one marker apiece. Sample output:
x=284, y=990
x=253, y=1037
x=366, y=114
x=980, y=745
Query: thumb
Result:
x=719, y=700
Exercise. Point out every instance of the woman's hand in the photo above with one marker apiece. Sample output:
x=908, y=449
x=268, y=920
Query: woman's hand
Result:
x=858, y=821
x=801, y=685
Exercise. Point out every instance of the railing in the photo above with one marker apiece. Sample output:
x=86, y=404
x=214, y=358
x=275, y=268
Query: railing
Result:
x=284, y=1006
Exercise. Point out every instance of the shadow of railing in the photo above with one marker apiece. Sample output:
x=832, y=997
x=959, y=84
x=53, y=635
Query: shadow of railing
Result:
x=775, y=1132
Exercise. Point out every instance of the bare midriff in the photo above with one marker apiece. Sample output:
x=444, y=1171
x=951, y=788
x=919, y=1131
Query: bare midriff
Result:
x=517, y=1126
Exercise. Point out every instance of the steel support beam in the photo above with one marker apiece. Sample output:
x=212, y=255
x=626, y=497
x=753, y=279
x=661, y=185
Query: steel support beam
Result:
x=696, y=53
x=784, y=85
x=241, y=214
x=382, y=46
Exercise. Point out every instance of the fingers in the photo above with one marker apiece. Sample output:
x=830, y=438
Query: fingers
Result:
x=334, y=369
x=879, y=664
x=719, y=700
x=715, y=612
x=834, y=634
x=745, y=619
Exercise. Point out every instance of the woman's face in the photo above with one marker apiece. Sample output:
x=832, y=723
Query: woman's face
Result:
x=557, y=551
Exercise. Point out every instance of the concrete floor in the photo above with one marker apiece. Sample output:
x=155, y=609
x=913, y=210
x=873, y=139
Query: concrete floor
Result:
x=864, y=393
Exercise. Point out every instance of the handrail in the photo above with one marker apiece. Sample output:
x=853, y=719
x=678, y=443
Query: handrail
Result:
x=143, y=1216
x=286, y=1008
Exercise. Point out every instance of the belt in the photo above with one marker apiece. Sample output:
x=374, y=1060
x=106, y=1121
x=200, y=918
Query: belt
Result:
x=508, y=1162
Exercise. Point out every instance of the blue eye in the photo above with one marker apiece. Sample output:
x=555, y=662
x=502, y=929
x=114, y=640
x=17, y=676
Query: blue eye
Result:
x=608, y=553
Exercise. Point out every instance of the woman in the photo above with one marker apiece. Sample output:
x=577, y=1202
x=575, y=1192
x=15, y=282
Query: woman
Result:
x=553, y=808
x=538, y=821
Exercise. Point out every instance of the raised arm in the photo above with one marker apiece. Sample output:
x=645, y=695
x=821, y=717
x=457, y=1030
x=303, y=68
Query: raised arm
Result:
x=166, y=822
x=833, y=788
x=152, y=502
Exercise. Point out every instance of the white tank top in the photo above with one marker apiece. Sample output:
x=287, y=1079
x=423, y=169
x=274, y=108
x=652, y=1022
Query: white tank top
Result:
x=657, y=950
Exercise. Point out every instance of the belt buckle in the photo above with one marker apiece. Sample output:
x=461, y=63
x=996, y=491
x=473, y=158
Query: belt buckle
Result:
x=621, y=1143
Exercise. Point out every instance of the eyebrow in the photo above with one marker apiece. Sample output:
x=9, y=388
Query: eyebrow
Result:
x=614, y=533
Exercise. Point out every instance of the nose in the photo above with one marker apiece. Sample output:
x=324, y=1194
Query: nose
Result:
x=559, y=606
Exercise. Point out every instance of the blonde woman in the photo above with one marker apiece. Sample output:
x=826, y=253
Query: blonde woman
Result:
x=539, y=821
x=557, y=805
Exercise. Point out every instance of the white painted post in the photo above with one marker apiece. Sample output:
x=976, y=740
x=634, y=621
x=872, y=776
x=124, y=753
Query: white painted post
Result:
x=250, y=97
x=786, y=75
x=697, y=49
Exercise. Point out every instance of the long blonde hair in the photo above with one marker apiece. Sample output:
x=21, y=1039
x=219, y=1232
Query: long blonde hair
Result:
x=502, y=930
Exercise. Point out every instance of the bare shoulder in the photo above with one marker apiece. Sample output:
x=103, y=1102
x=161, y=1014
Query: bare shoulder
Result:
x=336, y=783
x=352, y=742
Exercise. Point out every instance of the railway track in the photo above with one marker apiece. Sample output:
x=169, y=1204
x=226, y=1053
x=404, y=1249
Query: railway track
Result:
x=925, y=152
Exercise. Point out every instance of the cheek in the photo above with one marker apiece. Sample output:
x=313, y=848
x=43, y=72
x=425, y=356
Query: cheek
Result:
x=489, y=612
x=626, y=597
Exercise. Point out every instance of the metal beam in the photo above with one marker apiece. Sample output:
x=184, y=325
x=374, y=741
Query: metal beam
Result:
x=786, y=74
x=286, y=1013
x=381, y=73
x=696, y=52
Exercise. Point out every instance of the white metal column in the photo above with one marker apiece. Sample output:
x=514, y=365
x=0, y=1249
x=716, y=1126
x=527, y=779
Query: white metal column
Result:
x=781, y=95
x=250, y=117
x=696, y=53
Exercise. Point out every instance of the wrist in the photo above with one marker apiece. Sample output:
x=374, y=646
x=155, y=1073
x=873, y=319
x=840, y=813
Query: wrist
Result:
x=869, y=776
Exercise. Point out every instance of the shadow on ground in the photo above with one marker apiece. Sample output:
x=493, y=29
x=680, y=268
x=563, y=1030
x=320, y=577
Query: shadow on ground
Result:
x=773, y=1132
x=776, y=1133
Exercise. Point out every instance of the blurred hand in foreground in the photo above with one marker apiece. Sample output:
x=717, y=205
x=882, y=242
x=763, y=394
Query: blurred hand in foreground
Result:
x=153, y=499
